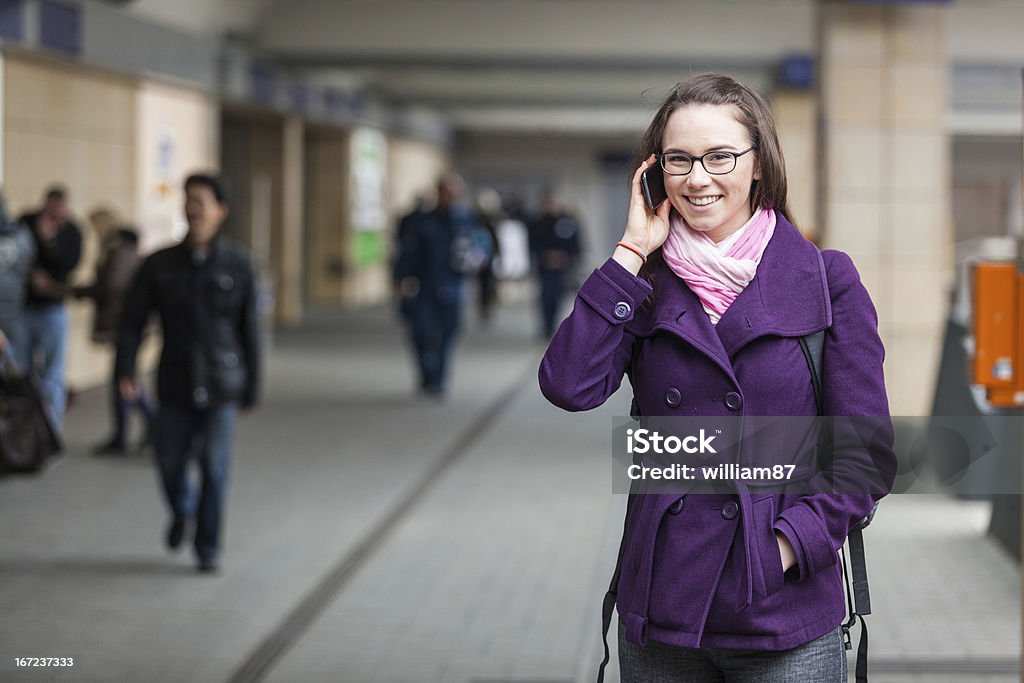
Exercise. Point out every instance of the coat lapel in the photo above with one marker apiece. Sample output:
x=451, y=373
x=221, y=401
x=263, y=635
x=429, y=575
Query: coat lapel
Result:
x=678, y=310
x=788, y=297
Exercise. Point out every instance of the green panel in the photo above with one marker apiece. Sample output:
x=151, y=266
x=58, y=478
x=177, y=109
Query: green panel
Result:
x=368, y=248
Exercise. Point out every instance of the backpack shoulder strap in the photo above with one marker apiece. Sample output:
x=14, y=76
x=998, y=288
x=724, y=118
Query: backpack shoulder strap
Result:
x=858, y=596
x=813, y=346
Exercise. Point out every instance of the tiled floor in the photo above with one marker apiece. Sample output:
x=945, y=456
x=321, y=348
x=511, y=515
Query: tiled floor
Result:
x=493, y=572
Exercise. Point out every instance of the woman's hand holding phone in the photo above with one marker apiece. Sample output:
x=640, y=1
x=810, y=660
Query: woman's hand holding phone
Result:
x=646, y=230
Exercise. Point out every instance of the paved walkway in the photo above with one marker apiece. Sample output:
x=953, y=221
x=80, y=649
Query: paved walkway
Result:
x=374, y=537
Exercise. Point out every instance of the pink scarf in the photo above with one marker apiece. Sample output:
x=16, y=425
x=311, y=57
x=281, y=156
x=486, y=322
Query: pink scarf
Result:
x=718, y=272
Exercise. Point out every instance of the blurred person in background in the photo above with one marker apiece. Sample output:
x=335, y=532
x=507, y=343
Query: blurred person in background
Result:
x=513, y=244
x=43, y=346
x=555, y=245
x=119, y=260
x=204, y=292
x=488, y=205
x=706, y=304
x=406, y=288
x=17, y=252
x=436, y=251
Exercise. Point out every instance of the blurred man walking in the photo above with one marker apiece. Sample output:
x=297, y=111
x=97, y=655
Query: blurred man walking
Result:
x=204, y=291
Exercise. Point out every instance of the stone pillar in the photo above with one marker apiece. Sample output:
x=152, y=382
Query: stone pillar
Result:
x=886, y=192
x=292, y=239
x=795, y=118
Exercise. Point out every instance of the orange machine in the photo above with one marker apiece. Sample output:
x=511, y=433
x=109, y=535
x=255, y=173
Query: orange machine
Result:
x=998, y=330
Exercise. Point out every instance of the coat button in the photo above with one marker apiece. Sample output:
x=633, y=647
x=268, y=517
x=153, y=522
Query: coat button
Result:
x=230, y=360
x=730, y=510
x=676, y=507
x=673, y=397
x=200, y=396
x=733, y=401
x=622, y=310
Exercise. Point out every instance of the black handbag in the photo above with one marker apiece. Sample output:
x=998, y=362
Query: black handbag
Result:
x=28, y=440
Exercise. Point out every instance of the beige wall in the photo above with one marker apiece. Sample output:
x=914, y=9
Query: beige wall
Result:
x=174, y=136
x=413, y=170
x=97, y=134
x=327, y=220
x=291, y=236
x=72, y=127
x=76, y=128
x=263, y=161
x=887, y=196
x=332, y=275
x=795, y=113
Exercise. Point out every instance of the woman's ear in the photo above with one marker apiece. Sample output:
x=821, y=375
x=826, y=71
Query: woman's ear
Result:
x=757, y=170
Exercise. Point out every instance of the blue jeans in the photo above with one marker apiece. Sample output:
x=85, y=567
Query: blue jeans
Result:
x=552, y=291
x=207, y=435
x=434, y=325
x=822, y=660
x=42, y=350
x=121, y=411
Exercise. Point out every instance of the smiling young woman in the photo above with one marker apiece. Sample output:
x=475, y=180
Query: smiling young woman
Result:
x=704, y=304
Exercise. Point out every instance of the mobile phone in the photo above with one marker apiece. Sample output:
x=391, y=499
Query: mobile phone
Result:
x=652, y=181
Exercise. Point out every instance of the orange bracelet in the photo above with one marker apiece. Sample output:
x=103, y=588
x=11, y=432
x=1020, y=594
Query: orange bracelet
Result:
x=632, y=249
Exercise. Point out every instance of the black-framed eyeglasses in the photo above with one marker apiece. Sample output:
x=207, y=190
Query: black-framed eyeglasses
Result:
x=717, y=162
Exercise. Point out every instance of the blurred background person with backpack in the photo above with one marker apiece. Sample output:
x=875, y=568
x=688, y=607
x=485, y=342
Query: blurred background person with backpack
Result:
x=118, y=261
x=555, y=246
x=435, y=253
x=17, y=252
x=488, y=205
x=43, y=350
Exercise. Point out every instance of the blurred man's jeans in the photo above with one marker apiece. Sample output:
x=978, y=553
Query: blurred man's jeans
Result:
x=42, y=350
x=435, y=324
x=207, y=435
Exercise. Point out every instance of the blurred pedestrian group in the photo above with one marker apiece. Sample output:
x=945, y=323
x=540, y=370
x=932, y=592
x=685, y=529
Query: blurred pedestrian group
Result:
x=441, y=246
x=201, y=296
x=202, y=292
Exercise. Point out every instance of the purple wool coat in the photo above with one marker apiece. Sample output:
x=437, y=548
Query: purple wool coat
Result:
x=705, y=569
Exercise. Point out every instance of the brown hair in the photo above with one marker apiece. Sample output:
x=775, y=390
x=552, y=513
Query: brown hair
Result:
x=753, y=113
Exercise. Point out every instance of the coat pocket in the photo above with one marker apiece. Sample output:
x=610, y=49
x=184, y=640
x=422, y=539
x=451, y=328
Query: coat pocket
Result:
x=768, y=574
x=228, y=374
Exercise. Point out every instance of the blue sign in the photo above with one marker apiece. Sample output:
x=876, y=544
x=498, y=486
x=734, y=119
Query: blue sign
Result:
x=60, y=26
x=261, y=84
x=797, y=71
x=12, y=19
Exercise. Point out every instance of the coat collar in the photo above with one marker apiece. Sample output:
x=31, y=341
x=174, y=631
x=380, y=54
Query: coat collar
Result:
x=788, y=297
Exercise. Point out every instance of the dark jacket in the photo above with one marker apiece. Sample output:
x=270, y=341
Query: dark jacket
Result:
x=57, y=258
x=705, y=570
x=555, y=241
x=114, y=272
x=207, y=310
x=427, y=246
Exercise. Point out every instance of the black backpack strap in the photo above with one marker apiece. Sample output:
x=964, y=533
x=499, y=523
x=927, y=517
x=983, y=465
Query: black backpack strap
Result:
x=813, y=346
x=858, y=597
x=861, y=598
x=608, y=606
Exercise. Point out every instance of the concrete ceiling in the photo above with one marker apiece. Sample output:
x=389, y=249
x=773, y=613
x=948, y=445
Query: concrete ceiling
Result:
x=563, y=64
x=599, y=63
